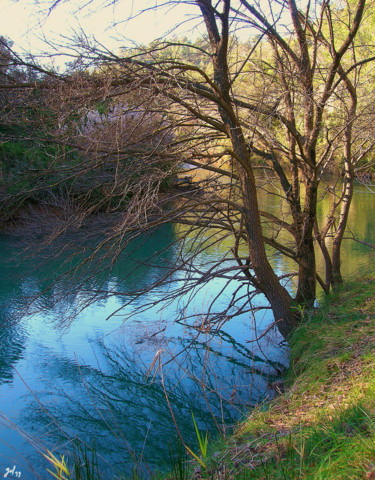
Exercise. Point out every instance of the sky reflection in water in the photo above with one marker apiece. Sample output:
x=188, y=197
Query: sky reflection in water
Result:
x=93, y=379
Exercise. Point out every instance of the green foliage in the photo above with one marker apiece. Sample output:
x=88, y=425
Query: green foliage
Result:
x=85, y=463
x=20, y=157
x=30, y=170
x=178, y=460
x=203, y=442
x=102, y=107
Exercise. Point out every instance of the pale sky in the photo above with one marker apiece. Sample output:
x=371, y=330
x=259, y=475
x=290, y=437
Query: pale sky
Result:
x=27, y=22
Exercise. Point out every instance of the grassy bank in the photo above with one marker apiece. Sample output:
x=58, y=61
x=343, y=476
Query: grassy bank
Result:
x=323, y=426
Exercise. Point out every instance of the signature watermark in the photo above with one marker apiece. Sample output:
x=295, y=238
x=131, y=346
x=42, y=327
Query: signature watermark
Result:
x=12, y=472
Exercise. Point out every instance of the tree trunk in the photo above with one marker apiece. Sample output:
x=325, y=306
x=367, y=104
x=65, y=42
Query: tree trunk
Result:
x=321, y=238
x=348, y=185
x=348, y=190
x=267, y=280
x=276, y=294
x=306, y=291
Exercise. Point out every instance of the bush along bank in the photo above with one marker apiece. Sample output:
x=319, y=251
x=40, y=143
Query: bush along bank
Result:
x=323, y=426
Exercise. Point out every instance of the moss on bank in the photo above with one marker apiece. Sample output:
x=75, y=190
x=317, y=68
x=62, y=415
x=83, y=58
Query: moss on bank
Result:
x=323, y=426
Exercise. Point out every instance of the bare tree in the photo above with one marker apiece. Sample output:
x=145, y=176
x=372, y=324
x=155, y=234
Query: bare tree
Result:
x=219, y=108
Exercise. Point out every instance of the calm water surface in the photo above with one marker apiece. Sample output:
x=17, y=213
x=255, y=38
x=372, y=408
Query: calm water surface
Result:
x=93, y=380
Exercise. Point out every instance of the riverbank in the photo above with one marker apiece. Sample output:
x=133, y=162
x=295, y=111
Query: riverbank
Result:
x=323, y=425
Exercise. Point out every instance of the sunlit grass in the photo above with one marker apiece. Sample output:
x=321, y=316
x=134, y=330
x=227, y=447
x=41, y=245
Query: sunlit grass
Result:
x=323, y=427
x=61, y=468
x=203, y=442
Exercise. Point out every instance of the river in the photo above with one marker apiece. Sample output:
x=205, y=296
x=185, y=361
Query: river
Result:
x=91, y=378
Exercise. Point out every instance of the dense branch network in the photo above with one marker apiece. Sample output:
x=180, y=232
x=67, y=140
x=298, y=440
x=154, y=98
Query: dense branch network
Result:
x=128, y=131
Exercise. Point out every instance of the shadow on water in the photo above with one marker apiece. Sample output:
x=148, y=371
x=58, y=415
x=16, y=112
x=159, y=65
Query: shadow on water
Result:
x=63, y=277
x=12, y=341
x=123, y=405
x=90, y=378
x=13, y=336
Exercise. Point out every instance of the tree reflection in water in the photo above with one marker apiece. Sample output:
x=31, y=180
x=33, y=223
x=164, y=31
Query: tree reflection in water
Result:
x=104, y=394
x=109, y=398
x=121, y=405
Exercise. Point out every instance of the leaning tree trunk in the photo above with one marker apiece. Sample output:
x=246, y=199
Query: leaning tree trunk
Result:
x=348, y=184
x=276, y=294
x=266, y=279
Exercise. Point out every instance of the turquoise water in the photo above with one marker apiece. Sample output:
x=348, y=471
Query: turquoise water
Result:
x=90, y=379
x=107, y=381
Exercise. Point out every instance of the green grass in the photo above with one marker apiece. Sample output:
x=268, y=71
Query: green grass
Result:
x=323, y=427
